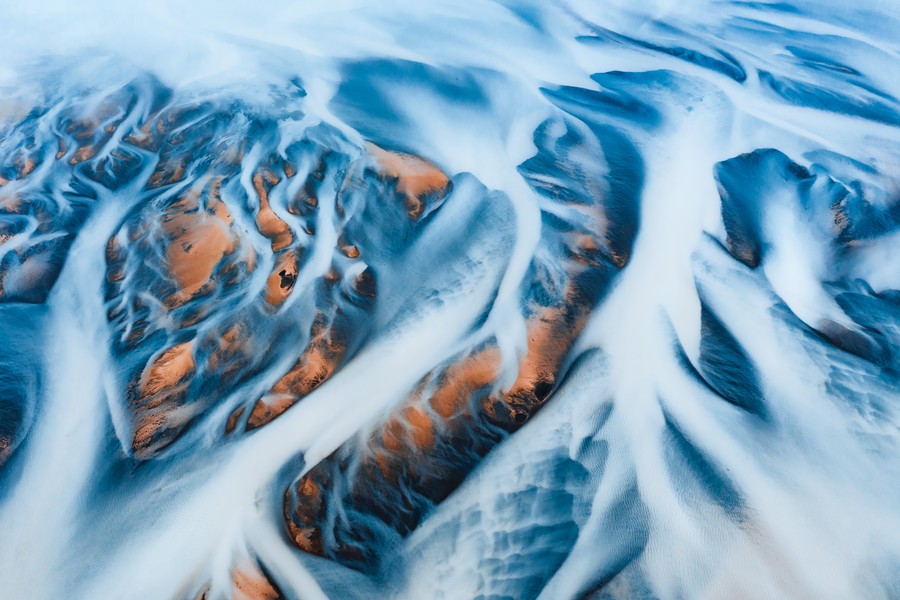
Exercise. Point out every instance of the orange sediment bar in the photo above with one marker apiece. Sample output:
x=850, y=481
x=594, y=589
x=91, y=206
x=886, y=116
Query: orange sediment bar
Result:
x=280, y=282
x=415, y=176
x=427, y=445
x=249, y=582
x=318, y=362
x=270, y=224
x=198, y=239
x=157, y=399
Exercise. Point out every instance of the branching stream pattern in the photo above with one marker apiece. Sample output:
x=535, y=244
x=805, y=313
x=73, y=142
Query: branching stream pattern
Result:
x=495, y=300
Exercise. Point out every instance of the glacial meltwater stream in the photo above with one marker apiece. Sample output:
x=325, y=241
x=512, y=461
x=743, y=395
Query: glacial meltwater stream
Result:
x=497, y=299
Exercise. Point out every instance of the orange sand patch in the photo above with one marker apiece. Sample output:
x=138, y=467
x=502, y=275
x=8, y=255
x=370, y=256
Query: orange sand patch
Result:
x=415, y=177
x=269, y=223
x=231, y=423
x=250, y=583
x=281, y=281
x=167, y=370
x=463, y=378
x=317, y=363
x=198, y=241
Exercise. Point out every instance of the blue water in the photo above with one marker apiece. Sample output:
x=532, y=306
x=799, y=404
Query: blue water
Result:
x=499, y=300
